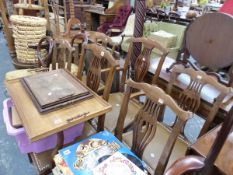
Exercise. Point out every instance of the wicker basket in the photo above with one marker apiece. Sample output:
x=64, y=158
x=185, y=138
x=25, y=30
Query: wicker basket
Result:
x=27, y=30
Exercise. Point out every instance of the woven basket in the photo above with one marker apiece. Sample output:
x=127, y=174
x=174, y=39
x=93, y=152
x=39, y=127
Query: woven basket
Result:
x=27, y=30
x=28, y=20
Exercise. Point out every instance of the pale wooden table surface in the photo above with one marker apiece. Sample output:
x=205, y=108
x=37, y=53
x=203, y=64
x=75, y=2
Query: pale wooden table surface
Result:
x=39, y=125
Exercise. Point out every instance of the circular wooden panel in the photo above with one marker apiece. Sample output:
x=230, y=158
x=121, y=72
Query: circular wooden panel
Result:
x=210, y=40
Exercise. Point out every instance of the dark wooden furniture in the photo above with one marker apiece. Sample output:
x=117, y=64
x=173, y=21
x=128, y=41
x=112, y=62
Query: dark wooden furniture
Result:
x=93, y=77
x=213, y=149
x=141, y=67
x=72, y=20
x=171, y=17
x=205, y=43
x=190, y=97
x=95, y=18
x=79, y=8
x=146, y=128
x=106, y=42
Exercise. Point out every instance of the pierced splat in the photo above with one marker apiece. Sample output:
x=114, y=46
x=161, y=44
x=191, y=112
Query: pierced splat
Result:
x=144, y=127
x=146, y=121
x=190, y=97
x=94, y=73
x=142, y=64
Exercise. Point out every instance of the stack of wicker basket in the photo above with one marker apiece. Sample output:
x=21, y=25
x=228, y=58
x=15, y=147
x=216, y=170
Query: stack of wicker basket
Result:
x=27, y=30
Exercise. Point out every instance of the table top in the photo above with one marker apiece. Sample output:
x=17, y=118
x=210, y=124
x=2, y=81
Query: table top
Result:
x=225, y=159
x=39, y=125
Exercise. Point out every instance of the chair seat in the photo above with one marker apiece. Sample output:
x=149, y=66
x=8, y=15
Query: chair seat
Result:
x=155, y=147
x=115, y=100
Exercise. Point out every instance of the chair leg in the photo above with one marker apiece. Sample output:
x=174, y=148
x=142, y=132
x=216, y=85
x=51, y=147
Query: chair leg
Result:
x=29, y=158
x=100, y=126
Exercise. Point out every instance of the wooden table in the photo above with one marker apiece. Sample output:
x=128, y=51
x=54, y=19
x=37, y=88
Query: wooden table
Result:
x=224, y=161
x=95, y=18
x=39, y=126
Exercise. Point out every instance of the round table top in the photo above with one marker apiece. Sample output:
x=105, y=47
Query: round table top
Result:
x=209, y=39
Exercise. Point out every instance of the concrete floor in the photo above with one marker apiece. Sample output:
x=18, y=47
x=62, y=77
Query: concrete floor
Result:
x=12, y=162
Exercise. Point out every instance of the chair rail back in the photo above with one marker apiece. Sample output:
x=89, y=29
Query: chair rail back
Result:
x=62, y=55
x=190, y=97
x=144, y=126
x=142, y=62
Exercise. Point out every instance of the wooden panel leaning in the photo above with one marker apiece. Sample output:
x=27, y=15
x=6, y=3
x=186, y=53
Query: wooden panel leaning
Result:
x=146, y=125
x=190, y=97
x=141, y=67
x=93, y=78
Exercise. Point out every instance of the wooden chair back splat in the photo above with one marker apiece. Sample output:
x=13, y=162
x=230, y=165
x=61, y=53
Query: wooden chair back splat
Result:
x=190, y=97
x=62, y=55
x=142, y=62
x=144, y=127
x=95, y=70
x=104, y=40
x=77, y=42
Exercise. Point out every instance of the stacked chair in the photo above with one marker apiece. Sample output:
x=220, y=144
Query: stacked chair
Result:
x=197, y=85
x=93, y=77
x=141, y=67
